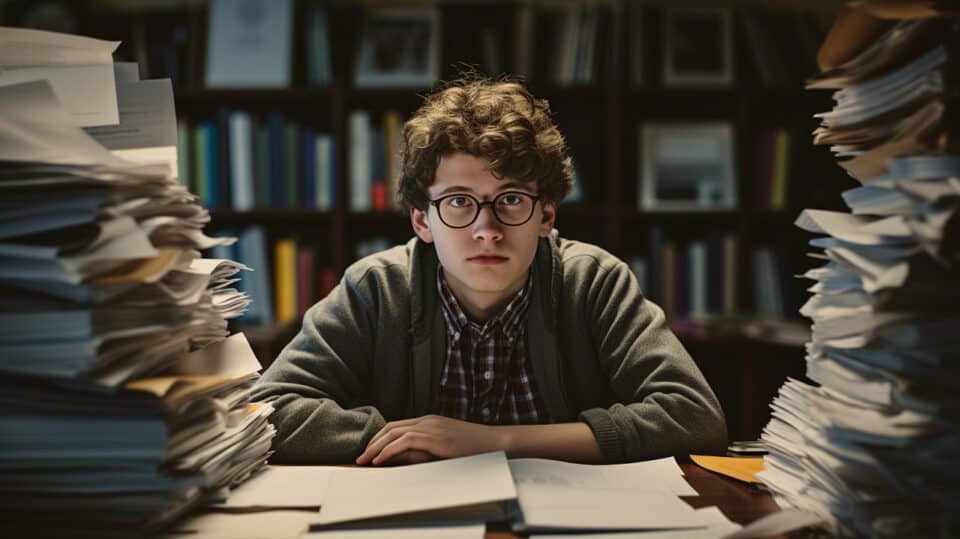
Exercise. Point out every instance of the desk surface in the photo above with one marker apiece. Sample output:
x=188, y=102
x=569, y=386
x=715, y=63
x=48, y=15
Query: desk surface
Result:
x=740, y=502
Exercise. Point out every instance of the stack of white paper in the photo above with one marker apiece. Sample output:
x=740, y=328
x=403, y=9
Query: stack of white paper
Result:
x=872, y=449
x=121, y=402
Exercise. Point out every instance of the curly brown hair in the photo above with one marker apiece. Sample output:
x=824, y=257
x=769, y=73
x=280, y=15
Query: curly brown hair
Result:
x=500, y=121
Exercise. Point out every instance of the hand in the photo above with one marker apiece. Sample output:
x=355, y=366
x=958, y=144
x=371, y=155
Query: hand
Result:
x=437, y=436
x=413, y=456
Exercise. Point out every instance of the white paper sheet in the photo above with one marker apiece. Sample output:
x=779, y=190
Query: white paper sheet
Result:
x=80, y=70
x=548, y=507
x=360, y=493
x=259, y=525
x=776, y=524
x=660, y=473
x=457, y=531
x=715, y=521
x=283, y=487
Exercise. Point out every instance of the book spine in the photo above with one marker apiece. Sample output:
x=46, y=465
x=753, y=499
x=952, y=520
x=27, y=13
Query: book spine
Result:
x=778, y=199
x=308, y=167
x=291, y=171
x=360, y=173
x=241, y=161
x=730, y=274
x=263, y=166
x=305, y=278
x=697, y=254
x=183, y=153
x=322, y=164
x=278, y=192
x=212, y=162
x=285, y=279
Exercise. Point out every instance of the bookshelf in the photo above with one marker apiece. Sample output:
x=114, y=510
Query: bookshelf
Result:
x=599, y=117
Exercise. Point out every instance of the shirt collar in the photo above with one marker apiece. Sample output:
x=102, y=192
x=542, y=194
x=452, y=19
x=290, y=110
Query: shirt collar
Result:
x=509, y=319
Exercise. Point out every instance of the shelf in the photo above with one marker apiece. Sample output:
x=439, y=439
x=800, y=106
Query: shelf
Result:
x=680, y=216
x=394, y=216
x=591, y=92
x=283, y=215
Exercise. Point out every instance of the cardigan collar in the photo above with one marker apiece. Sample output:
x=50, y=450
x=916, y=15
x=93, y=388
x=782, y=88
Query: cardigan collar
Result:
x=424, y=299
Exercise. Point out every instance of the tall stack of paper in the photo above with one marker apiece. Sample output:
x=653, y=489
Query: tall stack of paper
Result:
x=873, y=448
x=121, y=402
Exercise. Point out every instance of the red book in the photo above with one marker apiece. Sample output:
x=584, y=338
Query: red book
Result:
x=328, y=279
x=305, y=279
x=763, y=185
x=378, y=195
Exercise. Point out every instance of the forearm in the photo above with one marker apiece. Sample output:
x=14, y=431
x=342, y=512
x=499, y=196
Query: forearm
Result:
x=562, y=441
x=319, y=431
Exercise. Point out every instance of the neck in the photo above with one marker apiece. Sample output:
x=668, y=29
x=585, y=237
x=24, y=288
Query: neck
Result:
x=482, y=306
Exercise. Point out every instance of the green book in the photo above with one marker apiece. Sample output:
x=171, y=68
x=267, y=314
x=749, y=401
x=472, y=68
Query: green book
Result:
x=261, y=183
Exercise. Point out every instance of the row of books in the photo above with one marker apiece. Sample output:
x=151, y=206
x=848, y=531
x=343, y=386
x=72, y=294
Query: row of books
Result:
x=197, y=45
x=243, y=161
x=699, y=279
x=194, y=43
x=290, y=275
x=579, y=43
x=374, y=161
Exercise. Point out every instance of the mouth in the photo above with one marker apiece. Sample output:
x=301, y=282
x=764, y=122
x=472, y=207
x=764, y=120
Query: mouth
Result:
x=488, y=259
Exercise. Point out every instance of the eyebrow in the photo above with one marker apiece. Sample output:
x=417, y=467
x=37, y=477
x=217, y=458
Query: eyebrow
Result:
x=507, y=186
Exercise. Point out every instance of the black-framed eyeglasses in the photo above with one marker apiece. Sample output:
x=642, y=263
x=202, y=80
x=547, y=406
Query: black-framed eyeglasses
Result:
x=460, y=210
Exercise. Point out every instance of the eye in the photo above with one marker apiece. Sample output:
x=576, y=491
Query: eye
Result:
x=511, y=199
x=460, y=202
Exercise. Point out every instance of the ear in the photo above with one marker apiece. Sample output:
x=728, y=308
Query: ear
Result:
x=421, y=225
x=549, y=218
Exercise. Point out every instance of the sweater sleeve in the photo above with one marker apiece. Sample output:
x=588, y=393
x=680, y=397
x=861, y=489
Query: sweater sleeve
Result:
x=319, y=384
x=664, y=406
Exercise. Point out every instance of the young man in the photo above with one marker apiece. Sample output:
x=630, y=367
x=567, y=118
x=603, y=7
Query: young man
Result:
x=487, y=331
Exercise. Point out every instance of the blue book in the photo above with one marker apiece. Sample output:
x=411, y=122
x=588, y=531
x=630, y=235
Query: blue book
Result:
x=308, y=192
x=212, y=177
x=252, y=251
x=278, y=172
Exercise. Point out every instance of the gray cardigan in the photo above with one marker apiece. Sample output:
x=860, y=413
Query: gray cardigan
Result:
x=372, y=351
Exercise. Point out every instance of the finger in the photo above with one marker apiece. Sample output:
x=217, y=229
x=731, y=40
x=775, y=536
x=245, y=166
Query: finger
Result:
x=414, y=456
x=375, y=446
x=406, y=442
x=392, y=425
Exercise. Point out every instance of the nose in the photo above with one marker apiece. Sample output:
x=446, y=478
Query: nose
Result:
x=487, y=227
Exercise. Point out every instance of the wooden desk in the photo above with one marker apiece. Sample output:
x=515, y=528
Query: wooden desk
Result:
x=741, y=503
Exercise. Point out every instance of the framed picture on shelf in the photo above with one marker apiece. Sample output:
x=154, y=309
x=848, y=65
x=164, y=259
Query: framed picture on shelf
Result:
x=687, y=167
x=399, y=48
x=698, y=46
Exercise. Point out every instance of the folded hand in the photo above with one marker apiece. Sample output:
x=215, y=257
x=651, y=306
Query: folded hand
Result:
x=406, y=441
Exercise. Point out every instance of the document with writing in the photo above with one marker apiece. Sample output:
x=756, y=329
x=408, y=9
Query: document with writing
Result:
x=147, y=128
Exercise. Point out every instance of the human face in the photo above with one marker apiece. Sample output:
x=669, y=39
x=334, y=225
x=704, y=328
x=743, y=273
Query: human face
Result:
x=487, y=262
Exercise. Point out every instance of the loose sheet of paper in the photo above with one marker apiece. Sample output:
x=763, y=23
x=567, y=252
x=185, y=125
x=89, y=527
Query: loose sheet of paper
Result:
x=715, y=521
x=360, y=493
x=284, y=487
x=660, y=473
